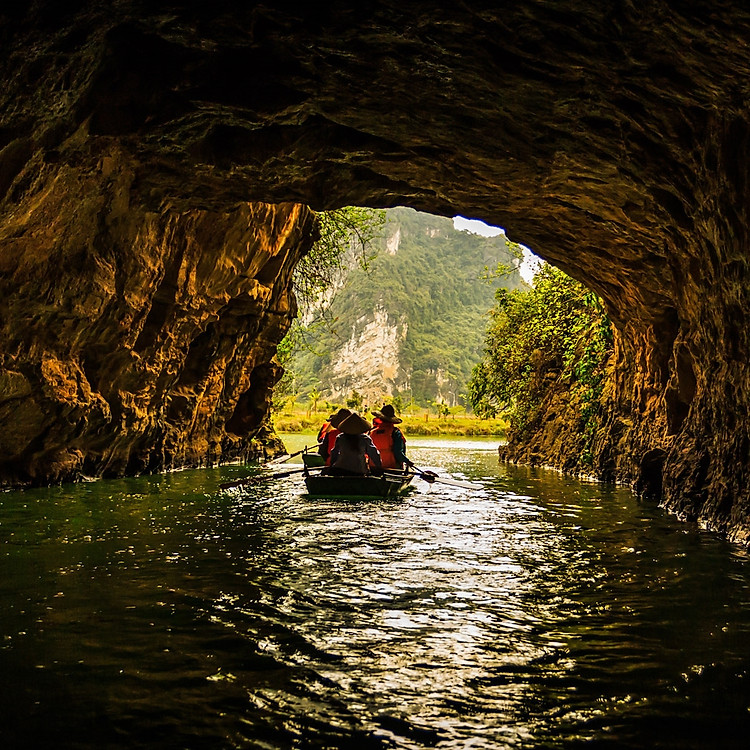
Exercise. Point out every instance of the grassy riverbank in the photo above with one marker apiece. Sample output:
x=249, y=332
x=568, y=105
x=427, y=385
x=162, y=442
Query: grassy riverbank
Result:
x=414, y=424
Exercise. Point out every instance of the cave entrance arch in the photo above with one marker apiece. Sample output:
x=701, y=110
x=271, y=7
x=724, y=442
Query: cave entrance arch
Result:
x=611, y=139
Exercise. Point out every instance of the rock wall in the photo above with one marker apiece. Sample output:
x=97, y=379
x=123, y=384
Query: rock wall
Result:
x=133, y=340
x=610, y=137
x=368, y=361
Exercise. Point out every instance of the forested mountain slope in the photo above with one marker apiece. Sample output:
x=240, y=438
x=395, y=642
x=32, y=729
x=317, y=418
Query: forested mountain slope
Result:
x=413, y=323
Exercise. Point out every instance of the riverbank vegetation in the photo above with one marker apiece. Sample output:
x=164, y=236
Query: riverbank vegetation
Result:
x=422, y=422
x=555, y=338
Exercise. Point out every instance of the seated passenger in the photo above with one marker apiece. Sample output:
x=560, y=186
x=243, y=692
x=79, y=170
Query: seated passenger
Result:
x=354, y=452
x=329, y=439
x=388, y=439
x=324, y=428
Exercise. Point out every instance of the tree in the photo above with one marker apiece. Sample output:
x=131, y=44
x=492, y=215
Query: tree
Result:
x=558, y=330
x=314, y=397
x=346, y=235
x=355, y=400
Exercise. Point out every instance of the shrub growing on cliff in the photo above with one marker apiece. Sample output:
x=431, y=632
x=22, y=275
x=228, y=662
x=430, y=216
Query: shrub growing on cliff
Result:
x=345, y=238
x=346, y=234
x=557, y=332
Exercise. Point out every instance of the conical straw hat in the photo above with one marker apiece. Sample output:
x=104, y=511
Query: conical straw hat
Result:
x=339, y=417
x=354, y=425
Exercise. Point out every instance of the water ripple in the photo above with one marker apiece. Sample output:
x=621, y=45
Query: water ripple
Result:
x=537, y=612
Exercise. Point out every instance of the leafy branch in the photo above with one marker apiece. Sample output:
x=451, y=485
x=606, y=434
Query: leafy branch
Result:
x=556, y=332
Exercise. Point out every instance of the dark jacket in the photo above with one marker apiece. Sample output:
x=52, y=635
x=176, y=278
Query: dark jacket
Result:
x=355, y=454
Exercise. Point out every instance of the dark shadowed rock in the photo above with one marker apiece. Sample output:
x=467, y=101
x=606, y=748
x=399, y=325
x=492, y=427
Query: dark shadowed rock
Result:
x=611, y=137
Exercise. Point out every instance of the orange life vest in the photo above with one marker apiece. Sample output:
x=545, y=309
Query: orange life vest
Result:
x=382, y=436
x=330, y=439
x=323, y=431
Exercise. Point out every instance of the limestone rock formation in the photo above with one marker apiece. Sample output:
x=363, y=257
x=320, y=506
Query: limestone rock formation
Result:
x=369, y=360
x=134, y=340
x=610, y=137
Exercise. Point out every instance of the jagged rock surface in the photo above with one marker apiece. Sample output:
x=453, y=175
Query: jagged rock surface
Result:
x=137, y=341
x=610, y=137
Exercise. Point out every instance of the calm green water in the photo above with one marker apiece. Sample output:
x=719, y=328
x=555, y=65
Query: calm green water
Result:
x=537, y=612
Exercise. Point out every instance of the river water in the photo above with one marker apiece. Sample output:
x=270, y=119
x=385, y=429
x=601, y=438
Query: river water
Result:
x=536, y=612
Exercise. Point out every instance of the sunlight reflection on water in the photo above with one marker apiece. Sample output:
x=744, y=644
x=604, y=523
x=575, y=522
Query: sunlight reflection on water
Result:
x=536, y=612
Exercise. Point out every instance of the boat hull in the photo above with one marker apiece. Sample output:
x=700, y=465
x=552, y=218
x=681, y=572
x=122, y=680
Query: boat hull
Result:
x=389, y=485
x=313, y=460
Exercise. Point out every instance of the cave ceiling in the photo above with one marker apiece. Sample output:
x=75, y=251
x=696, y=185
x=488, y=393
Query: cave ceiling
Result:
x=595, y=133
x=157, y=160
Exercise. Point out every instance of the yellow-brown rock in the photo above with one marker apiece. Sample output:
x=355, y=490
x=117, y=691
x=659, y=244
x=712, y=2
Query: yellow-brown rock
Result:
x=135, y=340
x=611, y=137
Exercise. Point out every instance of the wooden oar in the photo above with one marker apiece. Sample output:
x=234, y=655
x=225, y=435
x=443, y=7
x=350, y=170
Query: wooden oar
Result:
x=431, y=476
x=284, y=459
x=260, y=478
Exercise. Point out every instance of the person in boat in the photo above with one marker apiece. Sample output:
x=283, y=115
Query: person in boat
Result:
x=354, y=453
x=388, y=439
x=325, y=428
x=325, y=446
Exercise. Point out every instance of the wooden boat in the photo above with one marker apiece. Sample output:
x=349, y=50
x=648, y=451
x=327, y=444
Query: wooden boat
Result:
x=313, y=460
x=326, y=485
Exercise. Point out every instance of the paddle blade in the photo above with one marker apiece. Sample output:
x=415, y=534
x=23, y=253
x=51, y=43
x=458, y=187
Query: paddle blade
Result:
x=287, y=456
x=431, y=477
x=458, y=483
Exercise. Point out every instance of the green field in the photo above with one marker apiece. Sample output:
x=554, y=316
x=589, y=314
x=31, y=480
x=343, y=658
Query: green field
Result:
x=423, y=423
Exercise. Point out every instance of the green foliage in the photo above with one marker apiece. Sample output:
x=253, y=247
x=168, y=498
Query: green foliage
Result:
x=286, y=388
x=345, y=239
x=556, y=331
x=301, y=422
x=345, y=234
x=432, y=287
x=314, y=398
x=505, y=270
x=355, y=401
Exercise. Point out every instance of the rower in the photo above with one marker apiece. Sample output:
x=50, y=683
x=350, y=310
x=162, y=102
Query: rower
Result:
x=325, y=428
x=388, y=439
x=329, y=439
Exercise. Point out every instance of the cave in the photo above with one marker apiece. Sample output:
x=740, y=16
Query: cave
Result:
x=159, y=163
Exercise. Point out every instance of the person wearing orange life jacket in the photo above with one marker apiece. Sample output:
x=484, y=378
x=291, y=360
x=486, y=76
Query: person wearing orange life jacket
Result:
x=329, y=439
x=388, y=439
x=324, y=428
